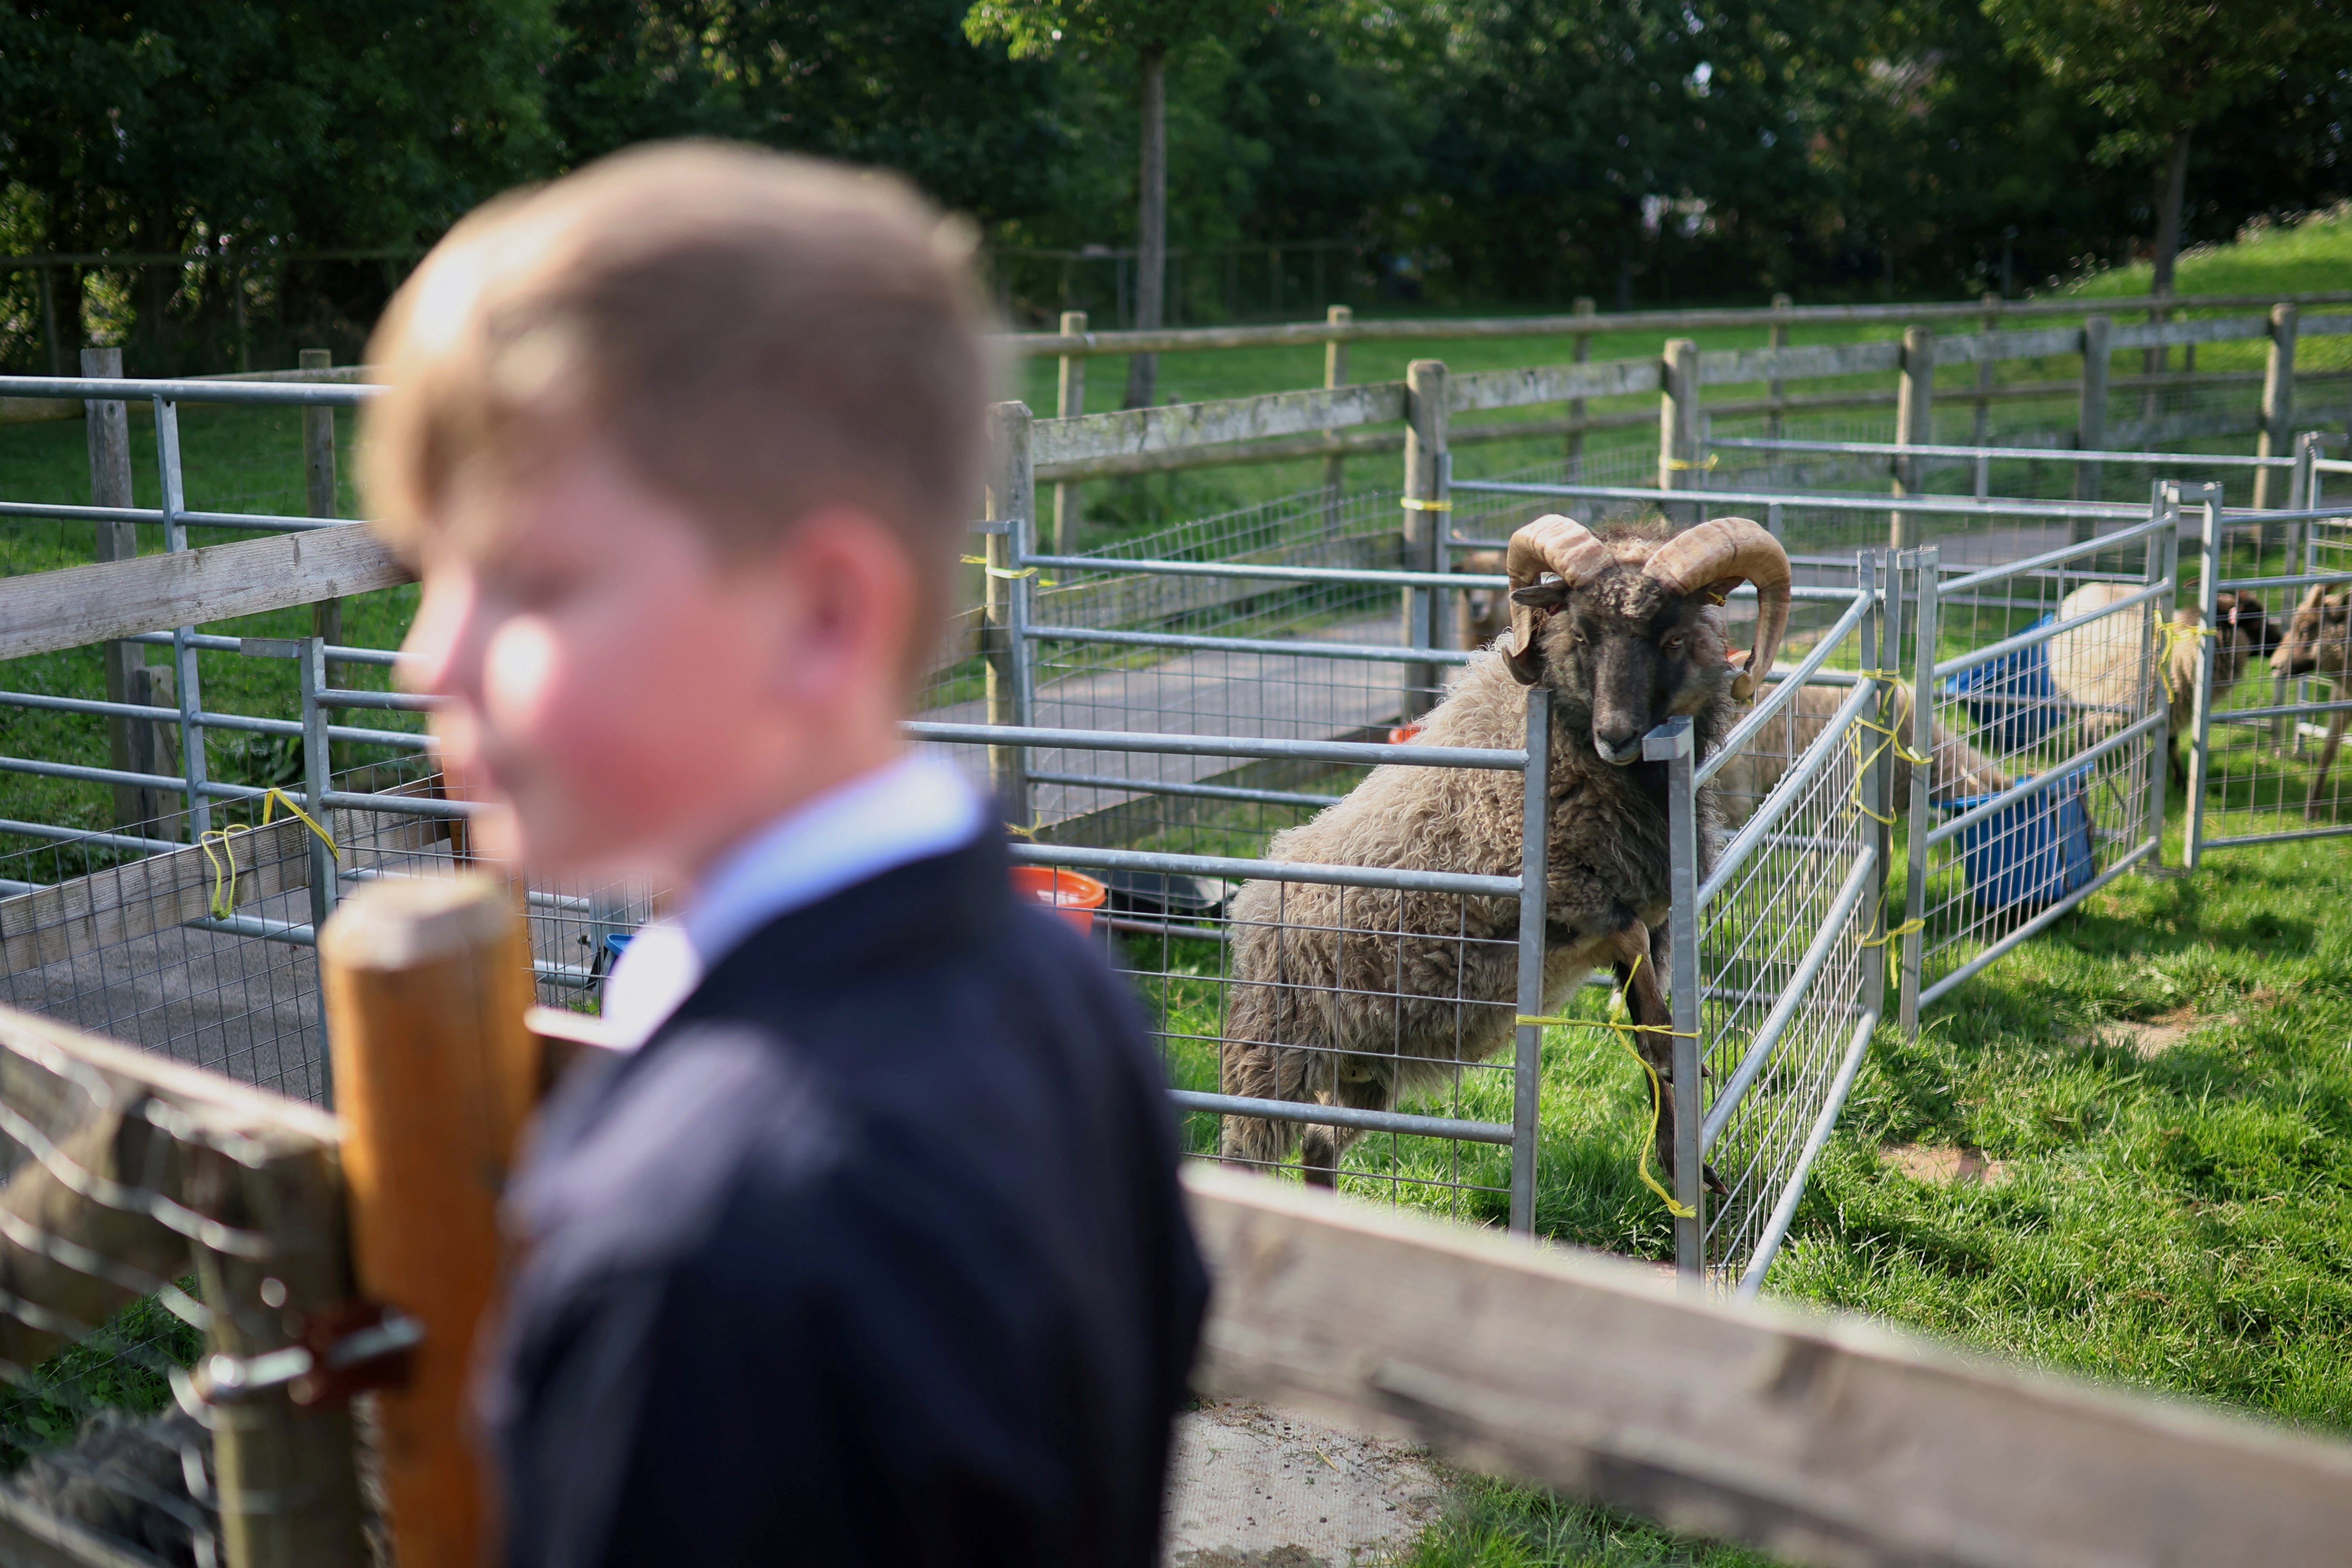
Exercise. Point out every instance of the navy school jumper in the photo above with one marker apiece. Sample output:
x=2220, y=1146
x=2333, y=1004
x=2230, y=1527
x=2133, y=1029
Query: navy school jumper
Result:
x=873, y=1254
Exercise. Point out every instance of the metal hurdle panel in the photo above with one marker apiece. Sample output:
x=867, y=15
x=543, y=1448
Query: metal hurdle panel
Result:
x=1174, y=633
x=2048, y=668
x=2265, y=767
x=1777, y=976
x=1432, y=968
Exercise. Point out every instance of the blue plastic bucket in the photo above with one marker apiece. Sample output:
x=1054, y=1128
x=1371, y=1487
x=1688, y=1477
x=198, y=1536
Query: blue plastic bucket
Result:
x=2010, y=699
x=2030, y=854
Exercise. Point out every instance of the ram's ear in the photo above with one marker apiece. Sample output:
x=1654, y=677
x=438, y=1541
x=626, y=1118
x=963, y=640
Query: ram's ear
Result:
x=1531, y=606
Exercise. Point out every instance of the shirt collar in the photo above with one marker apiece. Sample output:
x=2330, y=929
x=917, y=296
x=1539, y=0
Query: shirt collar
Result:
x=909, y=810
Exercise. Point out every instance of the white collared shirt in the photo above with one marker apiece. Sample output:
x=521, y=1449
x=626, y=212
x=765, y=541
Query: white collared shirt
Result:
x=914, y=808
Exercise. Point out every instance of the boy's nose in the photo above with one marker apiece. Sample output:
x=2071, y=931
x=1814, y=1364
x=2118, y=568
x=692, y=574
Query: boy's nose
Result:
x=431, y=656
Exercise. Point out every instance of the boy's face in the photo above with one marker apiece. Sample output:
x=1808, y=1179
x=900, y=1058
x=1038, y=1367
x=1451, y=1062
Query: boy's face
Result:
x=634, y=700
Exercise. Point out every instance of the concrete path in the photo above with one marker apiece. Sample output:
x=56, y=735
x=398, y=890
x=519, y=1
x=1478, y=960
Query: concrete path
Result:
x=1244, y=695
x=1254, y=1488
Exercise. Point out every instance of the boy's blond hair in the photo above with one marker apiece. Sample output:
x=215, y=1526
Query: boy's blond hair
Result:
x=757, y=335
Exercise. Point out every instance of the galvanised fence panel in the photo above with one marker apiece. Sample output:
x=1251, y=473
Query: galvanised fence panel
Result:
x=2270, y=709
x=1778, y=974
x=1360, y=1024
x=2047, y=668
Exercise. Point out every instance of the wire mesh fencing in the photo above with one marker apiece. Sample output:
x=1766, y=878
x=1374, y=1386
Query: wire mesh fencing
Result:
x=1351, y=1016
x=2270, y=678
x=203, y=953
x=169, y=946
x=1778, y=967
x=2048, y=670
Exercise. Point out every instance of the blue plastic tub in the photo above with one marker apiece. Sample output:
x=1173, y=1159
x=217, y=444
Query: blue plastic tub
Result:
x=2030, y=854
x=2010, y=699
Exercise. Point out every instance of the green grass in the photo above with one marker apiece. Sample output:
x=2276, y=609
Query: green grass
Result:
x=2312, y=256
x=2178, y=1222
x=119, y=1367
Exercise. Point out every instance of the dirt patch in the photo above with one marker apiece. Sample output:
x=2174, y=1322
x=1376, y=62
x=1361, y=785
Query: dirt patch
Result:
x=1946, y=1165
x=2149, y=1037
x=1254, y=1487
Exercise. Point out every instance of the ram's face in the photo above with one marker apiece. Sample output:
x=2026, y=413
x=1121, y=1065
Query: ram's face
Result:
x=1624, y=654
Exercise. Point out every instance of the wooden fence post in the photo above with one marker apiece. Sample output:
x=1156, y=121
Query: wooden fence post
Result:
x=1335, y=375
x=1775, y=388
x=1915, y=424
x=130, y=742
x=2278, y=401
x=1981, y=426
x=1069, y=403
x=426, y=982
x=1678, y=424
x=1427, y=520
x=286, y=1474
x=2091, y=415
x=1582, y=355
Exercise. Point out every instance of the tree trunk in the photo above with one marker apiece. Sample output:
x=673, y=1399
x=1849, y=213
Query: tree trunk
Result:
x=1151, y=245
x=2168, y=211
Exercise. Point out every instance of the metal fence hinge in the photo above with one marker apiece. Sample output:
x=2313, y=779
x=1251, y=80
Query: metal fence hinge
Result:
x=344, y=1351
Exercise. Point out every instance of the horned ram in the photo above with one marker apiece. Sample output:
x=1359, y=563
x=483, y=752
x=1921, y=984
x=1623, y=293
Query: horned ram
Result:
x=1356, y=996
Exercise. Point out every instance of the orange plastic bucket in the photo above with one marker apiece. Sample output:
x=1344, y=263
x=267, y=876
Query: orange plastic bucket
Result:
x=1069, y=894
x=1402, y=735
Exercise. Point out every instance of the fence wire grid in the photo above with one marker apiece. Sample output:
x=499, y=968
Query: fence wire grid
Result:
x=1788, y=986
x=2274, y=691
x=2047, y=670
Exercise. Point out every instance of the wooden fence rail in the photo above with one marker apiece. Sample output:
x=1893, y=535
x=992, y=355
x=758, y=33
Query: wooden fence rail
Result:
x=1823, y=1440
x=46, y=612
x=43, y=611
x=1329, y=423
x=1425, y=329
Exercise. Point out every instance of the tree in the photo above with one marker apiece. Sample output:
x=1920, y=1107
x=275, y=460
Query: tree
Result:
x=2161, y=71
x=245, y=129
x=1151, y=31
x=890, y=82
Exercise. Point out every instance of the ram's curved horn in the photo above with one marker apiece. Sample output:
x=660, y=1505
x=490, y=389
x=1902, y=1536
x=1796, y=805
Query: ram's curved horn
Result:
x=1557, y=545
x=1720, y=555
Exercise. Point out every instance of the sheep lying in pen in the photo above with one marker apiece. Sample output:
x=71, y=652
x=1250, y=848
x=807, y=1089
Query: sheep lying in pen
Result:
x=1354, y=997
x=2319, y=642
x=2097, y=668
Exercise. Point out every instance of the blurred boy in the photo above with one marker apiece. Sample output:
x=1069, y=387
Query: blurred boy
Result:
x=873, y=1252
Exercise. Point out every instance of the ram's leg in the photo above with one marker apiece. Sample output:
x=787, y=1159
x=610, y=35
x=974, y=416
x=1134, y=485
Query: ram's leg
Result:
x=1259, y=1070
x=1321, y=1148
x=2325, y=765
x=1653, y=1022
